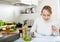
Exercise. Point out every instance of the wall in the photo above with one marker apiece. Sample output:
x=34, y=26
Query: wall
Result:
x=9, y=13
x=53, y=4
x=30, y=16
x=12, y=13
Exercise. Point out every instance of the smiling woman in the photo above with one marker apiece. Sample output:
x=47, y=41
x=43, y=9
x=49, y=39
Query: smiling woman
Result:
x=46, y=12
x=43, y=25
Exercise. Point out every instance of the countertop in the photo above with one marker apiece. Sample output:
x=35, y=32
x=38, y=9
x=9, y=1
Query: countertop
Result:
x=9, y=37
x=42, y=39
x=4, y=37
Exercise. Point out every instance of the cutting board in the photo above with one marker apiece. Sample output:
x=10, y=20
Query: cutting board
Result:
x=4, y=32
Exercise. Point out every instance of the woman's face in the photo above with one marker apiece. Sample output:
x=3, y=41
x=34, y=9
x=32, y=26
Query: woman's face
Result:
x=46, y=14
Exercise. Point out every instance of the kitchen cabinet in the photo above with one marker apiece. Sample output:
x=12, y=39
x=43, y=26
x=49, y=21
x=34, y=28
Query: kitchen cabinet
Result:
x=9, y=38
x=34, y=2
x=30, y=2
x=27, y=2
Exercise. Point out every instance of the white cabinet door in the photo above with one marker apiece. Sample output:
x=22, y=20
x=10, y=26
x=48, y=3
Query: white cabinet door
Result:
x=34, y=2
x=26, y=2
x=30, y=2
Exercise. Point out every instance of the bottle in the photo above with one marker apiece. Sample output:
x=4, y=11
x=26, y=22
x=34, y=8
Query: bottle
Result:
x=23, y=33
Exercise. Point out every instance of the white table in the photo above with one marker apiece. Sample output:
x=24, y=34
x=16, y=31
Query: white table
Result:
x=47, y=39
x=42, y=39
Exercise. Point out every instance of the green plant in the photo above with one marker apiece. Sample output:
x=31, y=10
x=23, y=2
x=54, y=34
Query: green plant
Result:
x=1, y=23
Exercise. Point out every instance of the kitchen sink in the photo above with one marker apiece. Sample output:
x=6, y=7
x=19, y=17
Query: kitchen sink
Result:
x=9, y=37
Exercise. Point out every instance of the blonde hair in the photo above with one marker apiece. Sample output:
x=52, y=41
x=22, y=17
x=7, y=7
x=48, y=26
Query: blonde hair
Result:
x=48, y=8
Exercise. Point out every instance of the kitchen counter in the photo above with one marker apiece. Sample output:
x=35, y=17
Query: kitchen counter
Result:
x=42, y=39
x=9, y=37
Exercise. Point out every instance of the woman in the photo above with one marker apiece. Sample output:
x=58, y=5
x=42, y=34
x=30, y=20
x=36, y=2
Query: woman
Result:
x=44, y=25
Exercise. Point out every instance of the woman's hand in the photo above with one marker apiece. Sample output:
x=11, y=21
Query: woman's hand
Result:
x=32, y=34
x=54, y=29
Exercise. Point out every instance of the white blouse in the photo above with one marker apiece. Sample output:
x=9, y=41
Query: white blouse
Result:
x=42, y=27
